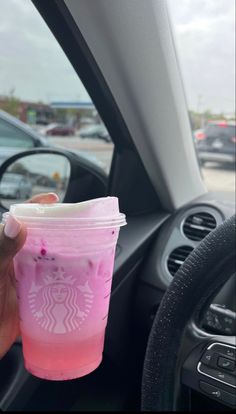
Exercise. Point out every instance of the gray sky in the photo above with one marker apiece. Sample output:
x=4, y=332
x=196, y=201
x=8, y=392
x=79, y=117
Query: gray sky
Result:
x=205, y=40
x=33, y=63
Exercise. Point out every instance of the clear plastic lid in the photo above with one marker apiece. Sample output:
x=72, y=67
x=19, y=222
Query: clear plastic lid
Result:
x=97, y=213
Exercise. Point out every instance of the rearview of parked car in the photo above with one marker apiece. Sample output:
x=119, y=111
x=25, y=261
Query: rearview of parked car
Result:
x=217, y=142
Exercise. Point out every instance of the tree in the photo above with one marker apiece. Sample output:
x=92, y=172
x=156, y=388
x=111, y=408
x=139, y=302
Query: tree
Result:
x=11, y=104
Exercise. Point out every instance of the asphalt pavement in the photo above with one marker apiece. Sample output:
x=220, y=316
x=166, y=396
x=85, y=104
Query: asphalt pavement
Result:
x=96, y=150
x=216, y=177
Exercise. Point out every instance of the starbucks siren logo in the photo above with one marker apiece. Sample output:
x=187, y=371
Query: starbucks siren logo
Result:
x=59, y=305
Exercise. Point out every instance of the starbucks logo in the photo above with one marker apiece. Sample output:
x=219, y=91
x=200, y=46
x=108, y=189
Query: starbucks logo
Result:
x=59, y=304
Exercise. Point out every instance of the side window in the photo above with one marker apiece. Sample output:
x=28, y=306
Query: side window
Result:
x=205, y=39
x=41, y=89
x=12, y=137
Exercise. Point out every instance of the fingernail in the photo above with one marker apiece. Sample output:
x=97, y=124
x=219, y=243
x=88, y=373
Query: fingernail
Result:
x=12, y=227
x=54, y=195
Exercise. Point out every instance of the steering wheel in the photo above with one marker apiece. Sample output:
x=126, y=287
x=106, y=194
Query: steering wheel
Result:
x=179, y=351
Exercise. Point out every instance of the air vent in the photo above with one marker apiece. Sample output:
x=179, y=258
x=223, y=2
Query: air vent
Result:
x=177, y=258
x=199, y=225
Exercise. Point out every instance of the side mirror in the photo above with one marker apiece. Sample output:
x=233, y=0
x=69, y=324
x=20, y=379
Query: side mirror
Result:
x=71, y=176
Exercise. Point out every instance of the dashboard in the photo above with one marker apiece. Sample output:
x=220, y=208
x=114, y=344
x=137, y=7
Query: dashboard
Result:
x=177, y=238
x=150, y=251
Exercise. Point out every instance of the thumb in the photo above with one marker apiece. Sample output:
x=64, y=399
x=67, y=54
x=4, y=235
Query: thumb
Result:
x=12, y=238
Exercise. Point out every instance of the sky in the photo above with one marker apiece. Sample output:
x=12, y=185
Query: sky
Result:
x=205, y=41
x=34, y=66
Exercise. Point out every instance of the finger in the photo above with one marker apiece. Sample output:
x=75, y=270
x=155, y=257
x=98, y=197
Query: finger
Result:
x=44, y=198
x=12, y=238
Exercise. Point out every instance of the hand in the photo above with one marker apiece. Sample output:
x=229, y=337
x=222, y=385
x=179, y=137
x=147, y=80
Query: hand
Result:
x=12, y=238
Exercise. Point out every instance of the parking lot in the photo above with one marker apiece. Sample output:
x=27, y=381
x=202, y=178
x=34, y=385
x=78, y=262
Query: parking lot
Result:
x=219, y=179
x=216, y=177
x=96, y=150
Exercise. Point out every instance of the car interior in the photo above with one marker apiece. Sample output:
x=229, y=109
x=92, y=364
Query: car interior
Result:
x=170, y=338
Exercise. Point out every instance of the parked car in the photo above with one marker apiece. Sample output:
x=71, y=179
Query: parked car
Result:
x=95, y=131
x=56, y=129
x=15, y=186
x=17, y=136
x=217, y=142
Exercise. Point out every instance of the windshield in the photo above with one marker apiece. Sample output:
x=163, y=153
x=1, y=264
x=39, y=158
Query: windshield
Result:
x=204, y=34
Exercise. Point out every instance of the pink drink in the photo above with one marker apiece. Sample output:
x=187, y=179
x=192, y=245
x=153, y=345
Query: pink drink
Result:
x=64, y=275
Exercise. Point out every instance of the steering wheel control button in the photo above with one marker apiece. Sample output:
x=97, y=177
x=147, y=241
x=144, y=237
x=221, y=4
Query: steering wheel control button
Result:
x=210, y=390
x=226, y=363
x=208, y=358
x=218, y=394
x=224, y=350
x=228, y=398
x=217, y=375
x=231, y=353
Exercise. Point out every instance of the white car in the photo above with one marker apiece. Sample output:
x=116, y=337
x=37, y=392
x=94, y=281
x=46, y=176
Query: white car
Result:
x=95, y=131
x=15, y=186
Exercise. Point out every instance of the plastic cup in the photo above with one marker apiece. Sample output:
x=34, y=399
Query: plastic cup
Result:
x=63, y=279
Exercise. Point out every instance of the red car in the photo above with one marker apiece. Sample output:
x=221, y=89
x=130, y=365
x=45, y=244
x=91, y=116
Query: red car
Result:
x=58, y=129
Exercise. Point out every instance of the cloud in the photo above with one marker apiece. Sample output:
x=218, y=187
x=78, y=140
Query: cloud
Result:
x=205, y=39
x=31, y=60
